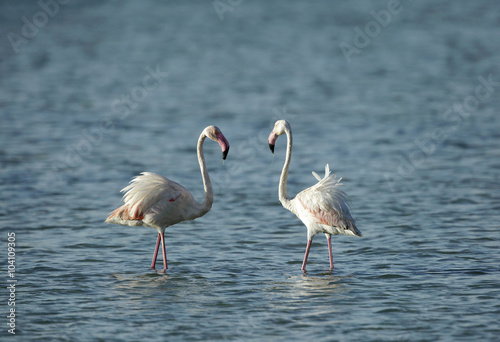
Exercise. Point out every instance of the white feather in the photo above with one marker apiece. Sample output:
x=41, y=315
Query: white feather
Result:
x=316, y=176
x=324, y=204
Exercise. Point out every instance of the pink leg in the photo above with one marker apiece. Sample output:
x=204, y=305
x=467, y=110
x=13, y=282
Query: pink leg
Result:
x=156, y=252
x=330, y=251
x=164, y=251
x=306, y=255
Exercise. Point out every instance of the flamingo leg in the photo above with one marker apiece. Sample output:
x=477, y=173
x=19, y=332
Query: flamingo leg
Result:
x=306, y=255
x=164, y=251
x=329, y=238
x=156, y=251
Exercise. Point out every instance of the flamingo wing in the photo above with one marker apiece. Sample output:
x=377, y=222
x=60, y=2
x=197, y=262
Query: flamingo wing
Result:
x=152, y=200
x=328, y=204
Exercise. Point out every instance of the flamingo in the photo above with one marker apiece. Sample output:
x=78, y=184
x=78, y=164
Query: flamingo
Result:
x=152, y=200
x=323, y=208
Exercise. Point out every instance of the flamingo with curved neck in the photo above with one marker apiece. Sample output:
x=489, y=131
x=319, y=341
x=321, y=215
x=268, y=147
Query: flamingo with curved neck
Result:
x=323, y=208
x=152, y=200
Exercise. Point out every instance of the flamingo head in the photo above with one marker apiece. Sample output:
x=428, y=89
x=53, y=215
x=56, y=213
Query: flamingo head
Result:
x=280, y=127
x=215, y=134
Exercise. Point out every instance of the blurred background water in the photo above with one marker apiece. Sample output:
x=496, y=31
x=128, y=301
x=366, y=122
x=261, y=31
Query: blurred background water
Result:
x=402, y=102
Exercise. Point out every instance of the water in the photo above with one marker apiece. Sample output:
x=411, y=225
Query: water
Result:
x=423, y=177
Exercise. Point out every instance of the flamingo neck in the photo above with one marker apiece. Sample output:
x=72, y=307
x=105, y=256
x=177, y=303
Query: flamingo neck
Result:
x=207, y=184
x=283, y=193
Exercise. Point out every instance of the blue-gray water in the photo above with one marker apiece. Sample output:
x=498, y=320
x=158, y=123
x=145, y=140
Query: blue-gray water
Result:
x=407, y=115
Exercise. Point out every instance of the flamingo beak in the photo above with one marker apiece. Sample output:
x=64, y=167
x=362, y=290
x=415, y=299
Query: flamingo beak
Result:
x=224, y=145
x=272, y=148
x=272, y=140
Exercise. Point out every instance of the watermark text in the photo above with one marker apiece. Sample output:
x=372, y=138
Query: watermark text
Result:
x=11, y=282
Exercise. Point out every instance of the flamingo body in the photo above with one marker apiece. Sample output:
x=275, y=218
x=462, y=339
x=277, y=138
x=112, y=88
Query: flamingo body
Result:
x=151, y=200
x=323, y=208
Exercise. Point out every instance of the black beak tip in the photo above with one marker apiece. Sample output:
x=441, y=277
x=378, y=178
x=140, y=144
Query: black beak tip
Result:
x=271, y=146
x=224, y=154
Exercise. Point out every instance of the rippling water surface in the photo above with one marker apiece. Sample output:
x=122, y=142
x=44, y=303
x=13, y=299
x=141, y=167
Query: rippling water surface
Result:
x=409, y=120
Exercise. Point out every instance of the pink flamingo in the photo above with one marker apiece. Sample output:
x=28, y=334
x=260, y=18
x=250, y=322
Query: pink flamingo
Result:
x=323, y=208
x=152, y=200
